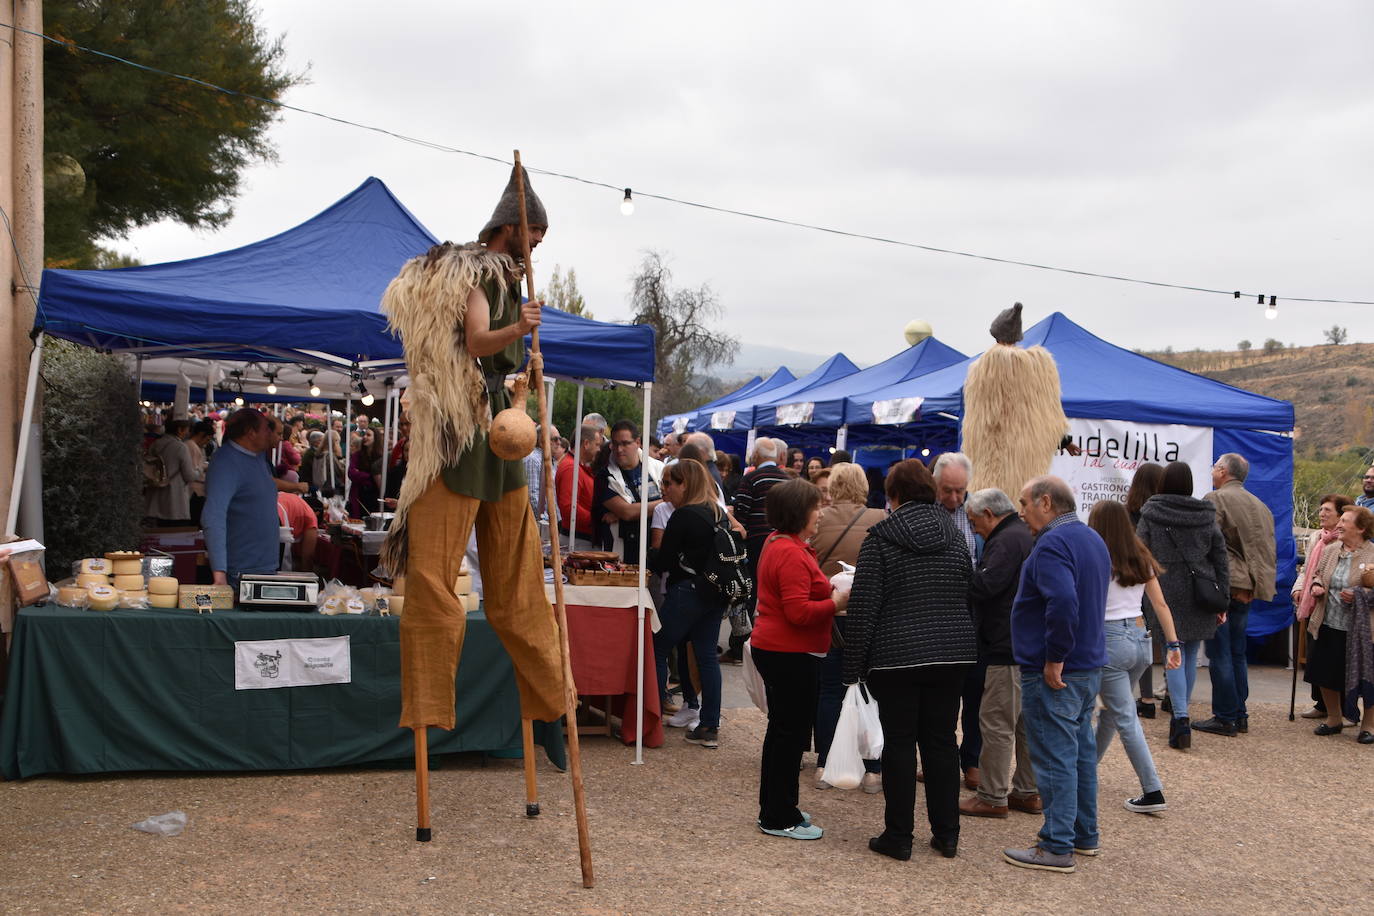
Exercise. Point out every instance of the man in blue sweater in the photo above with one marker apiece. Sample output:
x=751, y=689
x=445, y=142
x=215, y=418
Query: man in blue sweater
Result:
x=240, y=514
x=1058, y=640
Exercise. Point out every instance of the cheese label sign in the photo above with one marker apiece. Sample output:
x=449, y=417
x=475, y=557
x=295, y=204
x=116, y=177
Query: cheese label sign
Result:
x=1114, y=449
x=267, y=663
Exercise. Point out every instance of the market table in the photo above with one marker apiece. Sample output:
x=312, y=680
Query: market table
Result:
x=93, y=692
x=601, y=640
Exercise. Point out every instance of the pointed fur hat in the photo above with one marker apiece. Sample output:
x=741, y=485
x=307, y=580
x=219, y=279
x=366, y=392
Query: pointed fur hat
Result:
x=507, y=212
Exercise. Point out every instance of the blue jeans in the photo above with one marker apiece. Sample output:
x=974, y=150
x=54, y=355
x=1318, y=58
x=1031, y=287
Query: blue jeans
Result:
x=1129, y=653
x=829, y=702
x=1227, y=666
x=693, y=611
x=1059, y=724
x=1183, y=678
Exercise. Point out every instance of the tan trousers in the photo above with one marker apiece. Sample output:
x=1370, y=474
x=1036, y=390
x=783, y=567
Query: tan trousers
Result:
x=999, y=718
x=433, y=624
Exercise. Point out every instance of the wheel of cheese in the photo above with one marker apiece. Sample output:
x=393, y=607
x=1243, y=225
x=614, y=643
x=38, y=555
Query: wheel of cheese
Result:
x=462, y=585
x=470, y=602
x=162, y=585
x=395, y=604
x=132, y=598
x=162, y=599
x=334, y=604
x=97, y=566
x=129, y=583
x=86, y=580
x=103, y=598
x=127, y=567
x=73, y=596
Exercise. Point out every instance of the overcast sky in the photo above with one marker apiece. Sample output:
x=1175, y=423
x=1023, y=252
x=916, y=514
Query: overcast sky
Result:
x=1217, y=144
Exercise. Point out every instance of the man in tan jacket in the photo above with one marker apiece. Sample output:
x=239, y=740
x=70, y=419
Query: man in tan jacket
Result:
x=1248, y=526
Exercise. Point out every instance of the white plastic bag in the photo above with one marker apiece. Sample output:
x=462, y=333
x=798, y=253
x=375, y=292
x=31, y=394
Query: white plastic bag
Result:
x=843, y=580
x=871, y=729
x=844, y=767
x=170, y=824
x=753, y=681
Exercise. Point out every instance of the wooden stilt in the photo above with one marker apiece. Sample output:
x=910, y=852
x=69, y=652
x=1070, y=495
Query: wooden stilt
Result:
x=422, y=830
x=536, y=368
x=531, y=785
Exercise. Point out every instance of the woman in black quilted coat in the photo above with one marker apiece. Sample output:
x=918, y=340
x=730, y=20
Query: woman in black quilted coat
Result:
x=1180, y=529
x=911, y=637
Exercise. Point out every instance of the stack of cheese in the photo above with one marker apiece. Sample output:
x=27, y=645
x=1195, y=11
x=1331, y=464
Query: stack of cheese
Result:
x=162, y=591
x=127, y=569
x=462, y=587
x=96, y=578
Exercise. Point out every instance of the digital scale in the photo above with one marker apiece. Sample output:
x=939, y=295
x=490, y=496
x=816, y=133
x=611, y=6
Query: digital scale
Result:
x=285, y=591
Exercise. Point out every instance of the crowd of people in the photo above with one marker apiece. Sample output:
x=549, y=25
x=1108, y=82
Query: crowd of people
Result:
x=1001, y=617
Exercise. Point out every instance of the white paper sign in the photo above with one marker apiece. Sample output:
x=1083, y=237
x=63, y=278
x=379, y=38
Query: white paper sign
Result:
x=268, y=663
x=896, y=410
x=723, y=419
x=680, y=424
x=1113, y=449
x=795, y=414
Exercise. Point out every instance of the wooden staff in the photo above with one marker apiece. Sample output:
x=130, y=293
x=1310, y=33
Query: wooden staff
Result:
x=584, y=843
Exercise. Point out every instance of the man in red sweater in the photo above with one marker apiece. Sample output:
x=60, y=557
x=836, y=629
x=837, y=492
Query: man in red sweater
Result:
x=588, y=441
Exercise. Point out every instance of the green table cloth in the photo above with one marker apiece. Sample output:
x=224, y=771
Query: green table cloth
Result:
x=93, y=692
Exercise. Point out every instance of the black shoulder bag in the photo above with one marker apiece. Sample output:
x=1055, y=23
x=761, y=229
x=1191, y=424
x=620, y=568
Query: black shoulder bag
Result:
x=1210, y=595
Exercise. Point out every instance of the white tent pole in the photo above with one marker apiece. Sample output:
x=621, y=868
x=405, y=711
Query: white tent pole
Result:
x=25, y=424
x=842, y=437
x=643, y=592
x=576, y=446
x=749, y=444
x=347, y=447
x=386, y=449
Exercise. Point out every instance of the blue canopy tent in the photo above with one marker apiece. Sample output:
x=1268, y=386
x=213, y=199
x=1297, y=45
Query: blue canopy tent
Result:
x=678, y=422
x=732, y=425
x=1100, y=380
x=309, y=295
x=822, y=414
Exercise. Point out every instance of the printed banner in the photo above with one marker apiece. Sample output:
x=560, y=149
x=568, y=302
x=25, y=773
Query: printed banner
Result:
x=723, y=419
x=680, y=423
x=896, y=410
x=795, y=414
x=267, y=663
x=1113, y=449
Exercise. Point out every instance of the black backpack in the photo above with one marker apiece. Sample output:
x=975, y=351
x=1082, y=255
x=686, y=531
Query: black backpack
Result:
x=727, y=571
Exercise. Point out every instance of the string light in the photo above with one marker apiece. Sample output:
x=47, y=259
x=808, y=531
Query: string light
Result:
x=271, y=382
x=627, y=204
x=367, y=397
x=314, y=387
x=1272, y=311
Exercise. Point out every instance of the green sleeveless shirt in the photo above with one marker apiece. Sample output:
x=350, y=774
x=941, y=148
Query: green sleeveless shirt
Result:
x=479, y=473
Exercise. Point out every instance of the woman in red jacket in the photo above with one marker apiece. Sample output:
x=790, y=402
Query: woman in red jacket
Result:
x=796, y=609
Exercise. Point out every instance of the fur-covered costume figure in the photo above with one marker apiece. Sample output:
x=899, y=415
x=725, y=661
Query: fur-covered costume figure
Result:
x=1013, y=412
x=454, y=481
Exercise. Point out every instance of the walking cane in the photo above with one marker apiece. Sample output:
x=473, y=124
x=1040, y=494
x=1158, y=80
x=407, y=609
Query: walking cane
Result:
x=1293, y=694
x=536, y=369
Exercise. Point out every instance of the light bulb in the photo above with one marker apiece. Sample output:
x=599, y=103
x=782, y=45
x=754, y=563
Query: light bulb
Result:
x=627, y=206
x=1271, y=312
x=314, y=390
x=925, y=453
x=271, y=387
x=367, y=399
x=238, y=400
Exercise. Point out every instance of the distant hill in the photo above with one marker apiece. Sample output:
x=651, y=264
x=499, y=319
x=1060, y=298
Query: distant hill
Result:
x=757, y=359
x=1331, y=387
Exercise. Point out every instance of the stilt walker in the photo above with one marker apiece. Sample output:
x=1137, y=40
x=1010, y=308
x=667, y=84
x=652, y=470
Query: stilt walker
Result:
x=458, y=312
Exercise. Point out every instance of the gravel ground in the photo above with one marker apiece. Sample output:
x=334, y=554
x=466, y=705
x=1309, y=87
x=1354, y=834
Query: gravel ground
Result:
x=677, y=835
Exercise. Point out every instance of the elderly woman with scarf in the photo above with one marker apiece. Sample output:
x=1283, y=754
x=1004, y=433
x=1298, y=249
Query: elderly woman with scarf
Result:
x=1336, y=623
x=1332, y=505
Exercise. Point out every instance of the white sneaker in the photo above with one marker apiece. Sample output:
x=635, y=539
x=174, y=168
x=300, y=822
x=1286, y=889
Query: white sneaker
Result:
x=686, y=717
x=872, y=783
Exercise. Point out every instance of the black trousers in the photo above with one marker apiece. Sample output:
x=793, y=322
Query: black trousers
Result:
x=792, y=682
x=919, y=708
x=972, y=747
